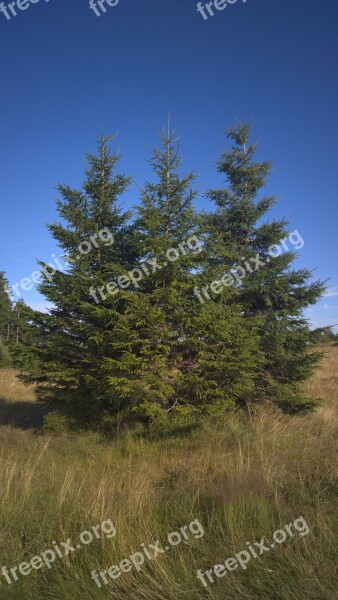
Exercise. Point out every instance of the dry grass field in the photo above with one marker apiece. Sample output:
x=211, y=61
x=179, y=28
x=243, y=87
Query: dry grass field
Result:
x=324, y=384
x=242, y=478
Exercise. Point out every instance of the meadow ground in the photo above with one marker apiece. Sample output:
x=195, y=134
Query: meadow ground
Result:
x=242, y=478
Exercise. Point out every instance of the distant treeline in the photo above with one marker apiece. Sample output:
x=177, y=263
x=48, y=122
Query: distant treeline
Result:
x=13, y=322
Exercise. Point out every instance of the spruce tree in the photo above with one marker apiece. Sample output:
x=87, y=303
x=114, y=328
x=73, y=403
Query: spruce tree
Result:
x=175, y=311
x=177, y=354
x=272, y=294
x=75, y=338
x=6, y=322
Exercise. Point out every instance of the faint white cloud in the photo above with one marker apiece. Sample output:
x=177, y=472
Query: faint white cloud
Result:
x=323, y=315
x=330, y=307
x=331, y=292
x=325, y=323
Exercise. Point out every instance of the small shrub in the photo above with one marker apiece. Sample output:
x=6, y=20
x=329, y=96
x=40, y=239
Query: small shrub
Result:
x=57, y=423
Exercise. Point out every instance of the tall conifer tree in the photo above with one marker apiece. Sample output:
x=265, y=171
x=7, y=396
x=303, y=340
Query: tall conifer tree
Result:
x=271, y=292
x=6, y=321
x=177, y=354
x=74, y=339
x=167, y=337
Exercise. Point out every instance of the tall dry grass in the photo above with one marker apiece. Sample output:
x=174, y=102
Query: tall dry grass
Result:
x=242, y=478
x=324, y=384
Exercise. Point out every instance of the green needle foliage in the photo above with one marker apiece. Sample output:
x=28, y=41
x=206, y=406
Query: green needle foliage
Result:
x=14, y=327
x=6, y=317
x=168, y=338
x=271, y=293
x=177, y=354
x=76, y=336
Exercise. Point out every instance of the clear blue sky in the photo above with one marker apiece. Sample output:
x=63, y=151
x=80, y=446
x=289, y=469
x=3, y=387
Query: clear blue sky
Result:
x=67, y=75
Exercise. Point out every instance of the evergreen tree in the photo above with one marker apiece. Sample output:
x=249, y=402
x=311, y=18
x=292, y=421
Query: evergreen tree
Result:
x=24, y=344
x=73, y=341
x=271, y=293
x=175, y=311
x=6, y=322
x=176, y=353
x=14, y=326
